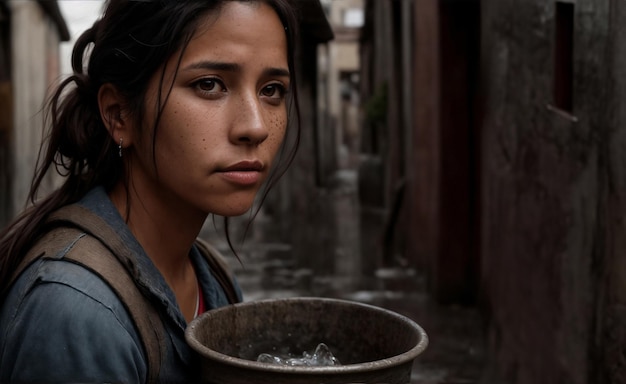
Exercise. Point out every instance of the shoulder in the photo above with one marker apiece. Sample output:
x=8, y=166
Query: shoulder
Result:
x=71, y=322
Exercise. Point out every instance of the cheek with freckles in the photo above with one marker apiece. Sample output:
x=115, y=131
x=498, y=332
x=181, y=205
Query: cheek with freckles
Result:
x=278, y=127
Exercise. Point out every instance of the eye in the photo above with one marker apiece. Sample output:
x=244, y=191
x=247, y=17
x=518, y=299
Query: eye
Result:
x=209, y=86
x=274, y=91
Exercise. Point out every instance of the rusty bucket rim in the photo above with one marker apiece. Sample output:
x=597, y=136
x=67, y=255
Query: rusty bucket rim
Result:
x=393, y=361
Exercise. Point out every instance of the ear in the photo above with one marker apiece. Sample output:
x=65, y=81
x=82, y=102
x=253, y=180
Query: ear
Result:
x=112, y=111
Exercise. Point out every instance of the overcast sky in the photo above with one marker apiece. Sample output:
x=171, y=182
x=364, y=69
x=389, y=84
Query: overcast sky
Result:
x=79, y=15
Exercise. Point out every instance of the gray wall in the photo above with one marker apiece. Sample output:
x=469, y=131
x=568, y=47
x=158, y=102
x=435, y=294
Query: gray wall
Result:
x=34, y=61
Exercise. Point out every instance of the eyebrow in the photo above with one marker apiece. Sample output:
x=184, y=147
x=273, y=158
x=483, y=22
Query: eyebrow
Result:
x=233, y=67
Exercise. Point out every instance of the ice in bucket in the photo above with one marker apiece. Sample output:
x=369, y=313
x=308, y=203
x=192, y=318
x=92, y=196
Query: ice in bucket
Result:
x=321, y=357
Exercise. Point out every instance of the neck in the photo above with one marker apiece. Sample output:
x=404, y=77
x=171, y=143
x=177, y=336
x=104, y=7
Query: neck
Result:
x=165, y=233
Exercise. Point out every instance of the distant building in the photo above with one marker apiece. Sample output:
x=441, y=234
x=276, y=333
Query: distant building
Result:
x=30, y=33
x=341, y=71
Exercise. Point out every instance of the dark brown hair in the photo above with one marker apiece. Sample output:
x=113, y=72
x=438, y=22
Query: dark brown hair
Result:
x=125, y=48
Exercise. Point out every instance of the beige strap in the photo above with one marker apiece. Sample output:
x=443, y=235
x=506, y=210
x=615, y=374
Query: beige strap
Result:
x=91, y=254
x=50, y=245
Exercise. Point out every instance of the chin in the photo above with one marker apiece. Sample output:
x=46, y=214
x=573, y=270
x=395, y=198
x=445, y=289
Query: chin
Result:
x=233, y=210
x=236, y=213
x=230, y=205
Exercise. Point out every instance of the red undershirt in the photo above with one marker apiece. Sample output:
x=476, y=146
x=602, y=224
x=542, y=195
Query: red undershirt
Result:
x=200, y=301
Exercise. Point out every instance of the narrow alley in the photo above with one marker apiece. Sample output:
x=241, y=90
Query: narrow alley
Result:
x=460, y=162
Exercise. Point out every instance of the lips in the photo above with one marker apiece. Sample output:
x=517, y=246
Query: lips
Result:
x=244, y=173
x=244, y=166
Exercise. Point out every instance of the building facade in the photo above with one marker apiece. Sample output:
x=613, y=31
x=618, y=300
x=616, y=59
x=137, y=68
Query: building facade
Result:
x=501, y=150
x=30, y=33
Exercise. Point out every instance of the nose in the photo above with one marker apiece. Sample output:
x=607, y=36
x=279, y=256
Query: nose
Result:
x=249, y=125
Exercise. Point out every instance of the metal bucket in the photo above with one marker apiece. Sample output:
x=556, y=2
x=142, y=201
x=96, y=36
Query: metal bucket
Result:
x=374, y=345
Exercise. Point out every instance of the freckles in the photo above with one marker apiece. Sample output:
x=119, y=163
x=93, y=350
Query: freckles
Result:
x=278, y=125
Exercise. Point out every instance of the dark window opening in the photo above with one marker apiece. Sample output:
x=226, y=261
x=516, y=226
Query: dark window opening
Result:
x=563, y=56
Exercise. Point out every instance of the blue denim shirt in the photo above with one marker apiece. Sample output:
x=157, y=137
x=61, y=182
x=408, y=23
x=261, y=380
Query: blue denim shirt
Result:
x=61, y=323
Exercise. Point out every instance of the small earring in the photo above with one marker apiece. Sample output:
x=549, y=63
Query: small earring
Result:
x=119, y=147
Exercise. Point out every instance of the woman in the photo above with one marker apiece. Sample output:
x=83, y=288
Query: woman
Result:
x=178, y=113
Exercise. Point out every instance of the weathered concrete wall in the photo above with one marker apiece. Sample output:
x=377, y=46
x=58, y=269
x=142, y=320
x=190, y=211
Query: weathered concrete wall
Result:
x=424, y=176
x=6, y=115
x=29, y=29
x=610, y=332
x=442, y=162
x=35, y=67
x=553, y=196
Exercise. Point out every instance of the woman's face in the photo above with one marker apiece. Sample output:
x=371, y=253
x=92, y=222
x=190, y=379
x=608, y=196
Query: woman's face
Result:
x=225, y=117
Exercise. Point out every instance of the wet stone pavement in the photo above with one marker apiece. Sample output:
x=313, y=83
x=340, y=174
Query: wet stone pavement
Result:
x=455, y=352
